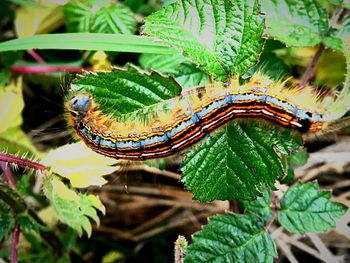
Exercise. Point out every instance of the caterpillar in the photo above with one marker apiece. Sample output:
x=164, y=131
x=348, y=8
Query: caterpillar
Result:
x=182, y=121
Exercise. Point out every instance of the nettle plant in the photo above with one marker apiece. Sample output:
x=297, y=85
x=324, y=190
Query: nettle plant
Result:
x=243, y=124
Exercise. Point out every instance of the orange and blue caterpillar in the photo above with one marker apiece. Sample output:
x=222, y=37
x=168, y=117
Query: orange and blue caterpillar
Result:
x=180, y=122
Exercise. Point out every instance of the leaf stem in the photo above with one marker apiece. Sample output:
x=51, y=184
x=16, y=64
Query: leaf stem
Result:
x=46, y=69
x=36, y=56
x=274, y=206
x=335, y=17
x=14, y=244
x=233, y=206
x=11, y=182
x=8, y=158
x=310, y=71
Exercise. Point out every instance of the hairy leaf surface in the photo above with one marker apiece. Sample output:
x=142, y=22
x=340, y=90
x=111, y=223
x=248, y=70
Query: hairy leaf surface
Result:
x=236, y=161
x=305, y=208
x=232, y=238
x=295, y=22
x=338, y=36
x=187, y=74
x=72, y=208
x=98, y=16
x=223, y=37
x=260, y=207
x=123, y=91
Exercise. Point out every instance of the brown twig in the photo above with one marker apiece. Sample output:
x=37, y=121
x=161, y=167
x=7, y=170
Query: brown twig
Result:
x=310, y=70
x=335, y=17
x=233, y=206
x=274, y=206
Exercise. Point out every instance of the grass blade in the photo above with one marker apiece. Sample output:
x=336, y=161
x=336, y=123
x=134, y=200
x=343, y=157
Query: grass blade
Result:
x=88, y=41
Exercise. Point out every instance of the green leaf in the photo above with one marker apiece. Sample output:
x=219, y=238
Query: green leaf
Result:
x=23, y=2
x=11, y=199
x=294, y=159
x=223, y=38
x=346, y=4
x=185, y=73
x=28, y=224
x=189, y=75
x=305, y=208
x=88, y=41
x=336, y=37
x=4, y=77
x=232, y=238
x=7, y=224
x=236, y=161
x=295, y=22
x=73, y=209
x=99, y=17
x=269, y=63
x=298, y=158
x=341, y=105
x=161, y=63
x=336, y=2
x=136, y=5
x=131, y=88
x=260, y=207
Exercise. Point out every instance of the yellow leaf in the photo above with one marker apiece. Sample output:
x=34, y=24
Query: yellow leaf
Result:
x=82, y=166
x=331, y=69
x=12, y=138
x=96, y=202
x=12, y=104
x=63, y=191
x=100, y=61
x=39, y=19
x=48, y=215
x=112, y=257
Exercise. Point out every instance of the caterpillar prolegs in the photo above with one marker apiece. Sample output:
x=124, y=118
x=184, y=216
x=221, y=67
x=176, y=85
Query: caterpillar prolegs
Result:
x=180, y=122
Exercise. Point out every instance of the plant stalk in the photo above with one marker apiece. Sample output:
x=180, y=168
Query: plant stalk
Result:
x=8, y=158
x=310, y=71
x=47, y=69
x=14, y=244
x=5, y=167
x=36, y=56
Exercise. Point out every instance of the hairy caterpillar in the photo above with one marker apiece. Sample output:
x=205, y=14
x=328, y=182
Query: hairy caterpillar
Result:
x=184, y=120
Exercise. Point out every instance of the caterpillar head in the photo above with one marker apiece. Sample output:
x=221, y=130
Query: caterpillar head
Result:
x=80, y=104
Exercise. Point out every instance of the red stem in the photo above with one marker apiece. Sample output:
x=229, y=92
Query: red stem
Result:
x=36, y=56
x=8, y=175
x=14, y=244
x=8, y=158
x=17, y=231
x=47, y=69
